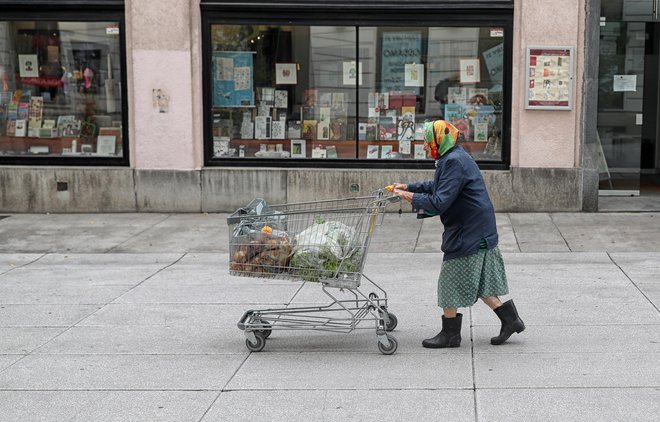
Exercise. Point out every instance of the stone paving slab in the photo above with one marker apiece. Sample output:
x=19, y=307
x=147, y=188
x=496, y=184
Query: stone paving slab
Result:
x=79, y=233
x=7, y=360
x=614, y=232
x=640, y=267
x=556, y=311
x=552, y=370
x=182, y=233
x=538, y=233
x=568, y=404
x=343, y=406
x=107, y=406
x=272, y=371
x=166, y=314
x=44, y=315
x=121, y=372
x=567, y=339
x=25, y=340
x=189, y=340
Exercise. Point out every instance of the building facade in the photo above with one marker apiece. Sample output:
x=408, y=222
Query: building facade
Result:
x=201, y=106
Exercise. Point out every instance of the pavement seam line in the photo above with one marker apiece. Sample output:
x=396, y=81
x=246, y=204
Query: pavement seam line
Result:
x=25, y=265
x=513, y=230
x=224, y=388
x=474, y=374
x=210, y=406
x=633, y=283
x=559, y=231
x=167, y=216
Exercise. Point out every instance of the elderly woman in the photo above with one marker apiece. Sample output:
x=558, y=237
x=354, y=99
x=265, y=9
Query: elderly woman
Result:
x=472, y=265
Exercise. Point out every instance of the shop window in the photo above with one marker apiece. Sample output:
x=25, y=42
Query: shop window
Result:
x=334, y=92
x=60, y=89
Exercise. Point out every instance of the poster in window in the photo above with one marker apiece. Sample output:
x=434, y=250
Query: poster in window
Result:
x=549, y=78
x=398, y=48
x=233, y=74
x=286, y=73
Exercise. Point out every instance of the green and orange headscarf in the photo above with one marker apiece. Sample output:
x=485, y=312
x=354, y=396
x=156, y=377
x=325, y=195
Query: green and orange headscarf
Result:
x=441, y=137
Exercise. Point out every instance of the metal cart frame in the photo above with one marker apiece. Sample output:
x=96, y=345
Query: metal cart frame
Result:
x=357, y=216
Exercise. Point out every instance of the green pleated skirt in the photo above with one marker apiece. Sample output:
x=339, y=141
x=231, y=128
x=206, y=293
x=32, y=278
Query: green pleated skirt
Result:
x=464, y=280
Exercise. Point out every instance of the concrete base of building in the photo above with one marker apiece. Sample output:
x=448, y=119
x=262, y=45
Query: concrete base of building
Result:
x=75, y=189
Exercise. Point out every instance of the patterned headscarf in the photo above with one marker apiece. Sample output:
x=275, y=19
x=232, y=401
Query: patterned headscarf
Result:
x=441, y=137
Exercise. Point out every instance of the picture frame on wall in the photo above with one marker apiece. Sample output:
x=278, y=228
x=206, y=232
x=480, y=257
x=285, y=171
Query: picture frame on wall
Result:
x=470, y=71
x=286, y=73
x=298, y=148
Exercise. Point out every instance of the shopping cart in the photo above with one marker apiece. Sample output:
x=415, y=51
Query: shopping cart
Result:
x=324, y=242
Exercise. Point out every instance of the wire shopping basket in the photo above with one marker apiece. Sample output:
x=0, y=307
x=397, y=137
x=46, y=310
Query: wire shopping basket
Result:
x=324, y=242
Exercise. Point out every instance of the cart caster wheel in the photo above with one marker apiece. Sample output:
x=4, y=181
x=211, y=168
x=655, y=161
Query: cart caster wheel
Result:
x=259, y=345
x=394, y=321
x=389, y=350
x=267, y=332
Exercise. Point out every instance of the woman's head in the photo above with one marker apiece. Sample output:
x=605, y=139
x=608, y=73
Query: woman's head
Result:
x=440, y=137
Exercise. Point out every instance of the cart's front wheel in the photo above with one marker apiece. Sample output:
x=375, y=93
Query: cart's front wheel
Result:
x=259, y=345
x=392, y=323
x=388, y=350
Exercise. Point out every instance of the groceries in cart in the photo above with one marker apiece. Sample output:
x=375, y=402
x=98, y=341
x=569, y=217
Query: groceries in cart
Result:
x=319, y=251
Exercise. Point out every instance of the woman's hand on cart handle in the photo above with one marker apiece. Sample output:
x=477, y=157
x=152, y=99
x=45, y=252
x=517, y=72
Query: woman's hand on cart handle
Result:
x=400, y=186
x=403, y=194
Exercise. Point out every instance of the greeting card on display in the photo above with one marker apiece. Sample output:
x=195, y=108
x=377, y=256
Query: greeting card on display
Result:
x=11, y=128
x=372, y=132
x=386, y=151
x=325, y=99
x=247, y=130
x=478, y=96
x=324, y=114
x=21, y=127
x=338, y=129
x=277, y=128
x=295, y=129
x=338, y=102
x=362, y=131
x=308, y=113
x=262, y=127
x=319, y=152
x=263, y=110
x=281, y=98
x=419, y=131
x=331, y=151
x=404, y=147
x=420, y=153
x=408, y=114
x=35, y=113
x=48, y=124
x=470, y=71
x=372, y=100
x=486, y=114
x=405, y=130
x=456, y=95
x=105, y=145
x=309, y=129
x=69, y=128
x=453, y=112
x=414, y=74
x=481, y=132
x=373, y=112
x=372, y=151
x=383, y=101
x=266, y=96
x=387, y=128
x=298, y=148
x=23, y=111
x=323, y=130
x=310, y=97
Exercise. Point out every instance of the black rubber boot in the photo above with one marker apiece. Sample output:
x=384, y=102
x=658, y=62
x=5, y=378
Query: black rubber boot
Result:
x=450, y=336
x=511, y=322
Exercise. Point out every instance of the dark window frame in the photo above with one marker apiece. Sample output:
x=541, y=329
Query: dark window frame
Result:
x=72, y=11
x=239, y=15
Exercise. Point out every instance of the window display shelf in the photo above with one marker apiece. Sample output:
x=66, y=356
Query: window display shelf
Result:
x=61, y=145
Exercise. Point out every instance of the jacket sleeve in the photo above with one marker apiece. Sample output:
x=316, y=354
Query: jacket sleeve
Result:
x=449, y=185
x=423, y=187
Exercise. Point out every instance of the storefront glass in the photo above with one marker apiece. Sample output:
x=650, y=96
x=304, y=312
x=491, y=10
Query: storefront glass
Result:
x=60, y=89
x=289, y=92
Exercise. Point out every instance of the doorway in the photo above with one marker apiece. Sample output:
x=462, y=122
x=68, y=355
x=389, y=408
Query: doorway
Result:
x=628, y=99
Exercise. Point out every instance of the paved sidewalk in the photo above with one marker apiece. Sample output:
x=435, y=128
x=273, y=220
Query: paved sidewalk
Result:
x=132, y=317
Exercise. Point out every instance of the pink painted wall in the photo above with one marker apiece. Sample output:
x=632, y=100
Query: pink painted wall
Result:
x=159, y=58
x=546, y=138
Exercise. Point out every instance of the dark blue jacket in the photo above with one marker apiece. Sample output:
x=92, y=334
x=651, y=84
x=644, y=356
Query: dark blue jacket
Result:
x=459, y=195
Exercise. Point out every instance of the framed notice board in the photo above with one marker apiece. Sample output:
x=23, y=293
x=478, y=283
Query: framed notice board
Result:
x=549, y=78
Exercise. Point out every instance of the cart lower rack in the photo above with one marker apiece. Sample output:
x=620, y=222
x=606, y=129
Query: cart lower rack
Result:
x=324, y=242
